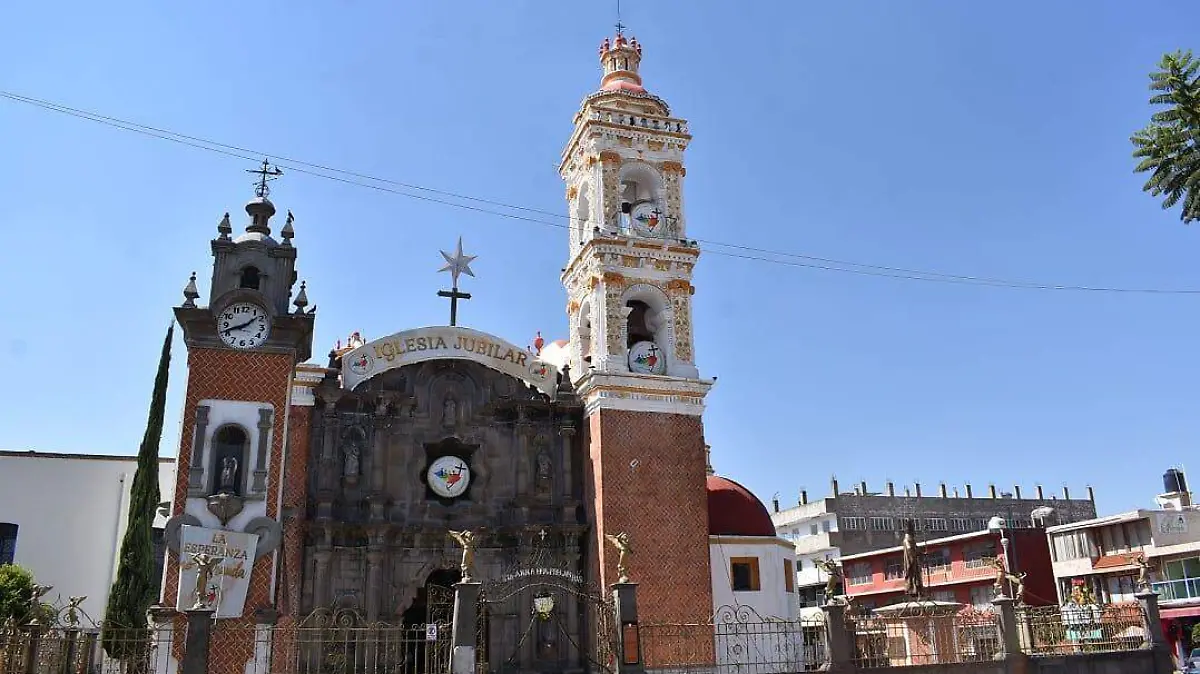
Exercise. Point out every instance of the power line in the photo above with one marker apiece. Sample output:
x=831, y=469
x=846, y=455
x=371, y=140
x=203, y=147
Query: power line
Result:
x=445, y=197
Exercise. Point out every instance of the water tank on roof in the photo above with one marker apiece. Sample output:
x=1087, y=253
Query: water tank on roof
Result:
x=1174, y=481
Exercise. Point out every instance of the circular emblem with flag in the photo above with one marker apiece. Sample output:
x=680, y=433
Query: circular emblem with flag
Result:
x=448, y=476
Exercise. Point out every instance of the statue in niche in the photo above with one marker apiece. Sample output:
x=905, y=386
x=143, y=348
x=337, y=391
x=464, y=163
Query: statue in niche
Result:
x=350, y=469
x=228, y=481
x=543, y=466
x=449, y=412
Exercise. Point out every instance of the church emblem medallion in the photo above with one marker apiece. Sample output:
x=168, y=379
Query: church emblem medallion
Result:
x=647, y=358
x=539, y=370
x=449, y=476
x=361, y=364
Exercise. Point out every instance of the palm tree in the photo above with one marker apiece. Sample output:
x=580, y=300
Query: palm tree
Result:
x=1169, y=146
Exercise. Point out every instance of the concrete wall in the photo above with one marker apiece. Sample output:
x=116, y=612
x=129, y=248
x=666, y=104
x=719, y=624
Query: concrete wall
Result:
x=71, y=510
x=772, y=600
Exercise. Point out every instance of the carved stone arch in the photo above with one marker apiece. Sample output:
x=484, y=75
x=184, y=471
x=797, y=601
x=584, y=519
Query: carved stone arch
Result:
x=658, y=301
x=221, y=445
x=648, y=179
x=583, y=324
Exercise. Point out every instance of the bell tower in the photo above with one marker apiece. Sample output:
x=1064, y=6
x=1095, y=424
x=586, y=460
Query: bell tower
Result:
x=629, y=289
x=243, y=345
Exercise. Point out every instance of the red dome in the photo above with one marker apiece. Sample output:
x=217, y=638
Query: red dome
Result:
x=734, y=511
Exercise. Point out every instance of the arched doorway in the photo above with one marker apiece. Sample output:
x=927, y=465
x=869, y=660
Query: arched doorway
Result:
x=434, y=603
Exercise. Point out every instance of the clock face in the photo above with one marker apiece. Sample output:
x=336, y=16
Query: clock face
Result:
x=448, y=476
x=647, y=218
x=243, y=325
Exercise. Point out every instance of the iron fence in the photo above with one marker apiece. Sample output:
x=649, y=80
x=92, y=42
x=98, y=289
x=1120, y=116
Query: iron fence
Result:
x=35, y=649
x=282, y=649
x=924, y=637
x=751, y=646
x=1079, y=628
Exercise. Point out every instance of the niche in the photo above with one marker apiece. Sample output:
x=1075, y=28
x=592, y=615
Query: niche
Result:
x=643, y=323
x=250, y=278
x=229, y=453
x=584, y=329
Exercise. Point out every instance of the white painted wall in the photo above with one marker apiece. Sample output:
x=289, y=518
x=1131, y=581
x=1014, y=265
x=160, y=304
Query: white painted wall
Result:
x=72, y=510
x=773, y=600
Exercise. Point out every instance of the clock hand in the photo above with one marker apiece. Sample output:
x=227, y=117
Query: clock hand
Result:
x=237, y=327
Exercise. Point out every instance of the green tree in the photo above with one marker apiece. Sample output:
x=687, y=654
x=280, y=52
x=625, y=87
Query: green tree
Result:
x=16, y=594
x=1169, y=146
x=125, y=630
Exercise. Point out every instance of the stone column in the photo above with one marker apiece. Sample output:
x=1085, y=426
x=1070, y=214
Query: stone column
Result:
x=466, y=606
x=374, y=580
x=629, y=646
x=1155, y=639
x=259, y=484
x=320, y=595
x=1010, y=641
x=196, y=467
x=195, y=645
x=838, y=640
x=566, y=433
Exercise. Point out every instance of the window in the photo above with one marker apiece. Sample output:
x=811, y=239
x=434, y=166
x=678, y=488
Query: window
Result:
x=855, y=523
x=980, y=556
x=859, y=574
x=893, y=569
x=8, y=543
x=250, y=278
x=789, y=576
x=960, y=524
x=943, y=595
x=159, y=541
x=882, y=524
x=979, y=524
x=935, y=524
x=825, y=526
x=1071, y=545
x=743, y=573
x=981, y=596
x=812, y=530
x=937, y=561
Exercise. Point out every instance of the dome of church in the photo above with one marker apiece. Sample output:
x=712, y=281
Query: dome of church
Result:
x=734, y=511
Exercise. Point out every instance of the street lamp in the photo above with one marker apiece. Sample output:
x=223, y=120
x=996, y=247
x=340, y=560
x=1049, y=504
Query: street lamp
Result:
x=997, y=525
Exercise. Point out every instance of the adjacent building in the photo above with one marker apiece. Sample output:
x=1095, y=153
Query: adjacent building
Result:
x=62, y=516
x=1103, y=555
x=859, y=521
x=955, y=569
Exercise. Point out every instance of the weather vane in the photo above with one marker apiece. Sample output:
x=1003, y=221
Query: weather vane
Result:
x=456, y=264
x=266, y=172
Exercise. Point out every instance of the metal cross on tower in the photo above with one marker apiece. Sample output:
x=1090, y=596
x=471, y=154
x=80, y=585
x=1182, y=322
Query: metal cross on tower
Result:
x=265, y=172
x=456, y=264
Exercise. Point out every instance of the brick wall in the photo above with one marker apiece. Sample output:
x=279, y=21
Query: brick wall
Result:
x=226, y=374
x=660, y=501
x=295, y=490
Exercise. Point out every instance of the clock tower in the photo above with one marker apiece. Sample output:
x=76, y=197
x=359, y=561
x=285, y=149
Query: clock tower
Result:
x=243, y=345
x=629, y=289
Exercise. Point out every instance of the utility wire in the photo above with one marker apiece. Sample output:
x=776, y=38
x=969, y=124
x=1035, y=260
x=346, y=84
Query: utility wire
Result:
x=444, y=197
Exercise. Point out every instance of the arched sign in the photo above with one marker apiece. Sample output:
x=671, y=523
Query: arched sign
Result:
x=439, y=343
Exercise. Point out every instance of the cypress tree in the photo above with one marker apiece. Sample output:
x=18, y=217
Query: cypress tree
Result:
x=125, y=635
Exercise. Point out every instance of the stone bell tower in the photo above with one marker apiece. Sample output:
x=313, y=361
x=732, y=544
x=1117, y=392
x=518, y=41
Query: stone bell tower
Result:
x=629, y=288
x=242, y=348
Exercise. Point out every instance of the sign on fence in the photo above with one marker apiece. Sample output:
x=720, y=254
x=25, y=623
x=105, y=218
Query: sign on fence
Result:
x=431, y=632
x=223, y=583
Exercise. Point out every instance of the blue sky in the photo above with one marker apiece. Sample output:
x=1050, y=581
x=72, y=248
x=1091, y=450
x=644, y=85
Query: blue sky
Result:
x=970, y=138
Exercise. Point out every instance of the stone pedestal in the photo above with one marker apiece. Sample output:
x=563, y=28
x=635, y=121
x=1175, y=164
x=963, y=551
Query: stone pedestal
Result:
x=838, y=640
x=629, y=646
x=195, y=646
x=466, y=607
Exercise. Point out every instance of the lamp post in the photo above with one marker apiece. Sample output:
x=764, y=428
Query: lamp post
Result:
x=998, y=525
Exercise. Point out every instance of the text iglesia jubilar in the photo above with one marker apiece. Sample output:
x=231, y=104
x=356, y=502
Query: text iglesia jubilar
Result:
x=391, y=348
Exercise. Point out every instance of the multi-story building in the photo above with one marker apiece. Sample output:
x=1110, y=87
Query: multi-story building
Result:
x=858, y=521
x=957, y=569
x=1103, y=554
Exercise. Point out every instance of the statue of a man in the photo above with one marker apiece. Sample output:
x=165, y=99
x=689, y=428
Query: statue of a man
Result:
x=1143, y=577
x=351, y=464
x=466, y=540
x=449, y=412
x=833, y=584
x=914, y=584
x=543, y=465
x=620, y=541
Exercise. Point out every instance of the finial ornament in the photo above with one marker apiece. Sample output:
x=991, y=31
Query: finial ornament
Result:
x=190, y=293
x=265, y=173
x=620, y=541
x=224, y=228
x=456, y=264
x=287, y=232
x=466, y=540
x=301, y=300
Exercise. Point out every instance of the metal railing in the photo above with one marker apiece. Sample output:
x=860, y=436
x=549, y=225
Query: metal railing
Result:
x=1184, y=588
x=924, y=638
x=1080, y=628
x=741, y=647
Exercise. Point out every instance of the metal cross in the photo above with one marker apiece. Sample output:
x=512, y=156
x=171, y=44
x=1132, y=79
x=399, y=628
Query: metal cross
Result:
x=456, y=264
x=620, y=27
x=265, y=172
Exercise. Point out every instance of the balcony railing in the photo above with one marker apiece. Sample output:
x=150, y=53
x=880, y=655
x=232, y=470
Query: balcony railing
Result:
x=1186, y=588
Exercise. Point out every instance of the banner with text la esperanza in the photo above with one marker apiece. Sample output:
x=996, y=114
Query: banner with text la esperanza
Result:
x=422, y=344
x=224, y=583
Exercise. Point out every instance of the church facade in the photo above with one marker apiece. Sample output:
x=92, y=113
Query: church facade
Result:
x=349, y=475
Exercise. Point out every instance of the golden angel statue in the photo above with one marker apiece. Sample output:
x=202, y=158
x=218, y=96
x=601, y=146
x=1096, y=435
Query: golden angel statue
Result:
x=620, y=541
x=466, y=540
x=205, y=565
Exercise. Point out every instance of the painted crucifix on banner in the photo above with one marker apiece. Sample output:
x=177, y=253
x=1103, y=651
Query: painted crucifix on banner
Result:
x=456, y=264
